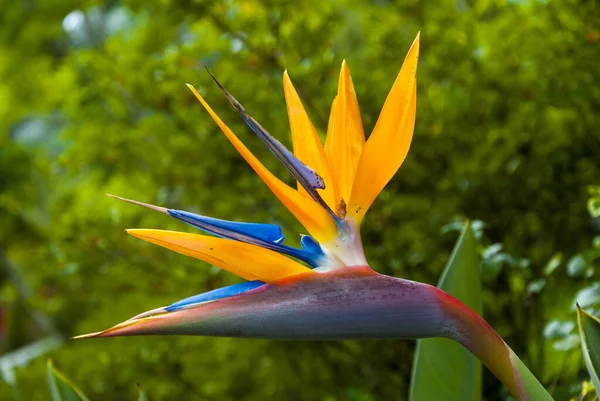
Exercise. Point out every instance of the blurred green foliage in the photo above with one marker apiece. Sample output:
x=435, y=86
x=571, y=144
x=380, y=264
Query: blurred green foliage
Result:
x=92, y=100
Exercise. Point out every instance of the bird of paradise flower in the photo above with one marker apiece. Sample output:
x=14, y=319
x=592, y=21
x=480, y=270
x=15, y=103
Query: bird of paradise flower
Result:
x=340, y=296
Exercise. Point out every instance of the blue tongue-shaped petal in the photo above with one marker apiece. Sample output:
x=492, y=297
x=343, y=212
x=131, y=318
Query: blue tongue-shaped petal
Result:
x=213, y=295
x=267, y=236
x=231, y=229
x=306, y=176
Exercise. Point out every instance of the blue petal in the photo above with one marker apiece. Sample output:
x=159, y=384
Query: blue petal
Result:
x=229, y=229
x=213, y=295
x=268, y=236
x=310, y=245
x=264, y=235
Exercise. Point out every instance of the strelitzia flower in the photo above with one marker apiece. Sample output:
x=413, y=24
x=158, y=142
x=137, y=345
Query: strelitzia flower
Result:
x=325, y=289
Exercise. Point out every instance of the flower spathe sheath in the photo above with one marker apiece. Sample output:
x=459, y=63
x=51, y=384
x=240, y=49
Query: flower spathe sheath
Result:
x=337, y=182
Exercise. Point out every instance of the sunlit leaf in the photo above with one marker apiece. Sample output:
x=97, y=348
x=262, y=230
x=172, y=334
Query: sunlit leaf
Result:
x=577, y=266
x=594, y=206
x=553, y=264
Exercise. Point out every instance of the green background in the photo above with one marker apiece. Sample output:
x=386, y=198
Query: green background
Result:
x=92, y=100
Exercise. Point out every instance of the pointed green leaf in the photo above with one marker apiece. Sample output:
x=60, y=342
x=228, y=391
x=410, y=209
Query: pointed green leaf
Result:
x=61, y=388
x=443, y=369
x=589, y=330
x=529, y=387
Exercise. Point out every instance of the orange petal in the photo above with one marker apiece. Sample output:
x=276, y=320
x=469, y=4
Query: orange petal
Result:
x=388, y=145
x=307, y=145
x=330, y=125
x=311, y=215
x=345, y=137
x=247, y=261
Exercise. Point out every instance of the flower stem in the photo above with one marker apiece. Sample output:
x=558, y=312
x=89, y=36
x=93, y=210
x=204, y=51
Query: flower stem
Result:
x=474, y=333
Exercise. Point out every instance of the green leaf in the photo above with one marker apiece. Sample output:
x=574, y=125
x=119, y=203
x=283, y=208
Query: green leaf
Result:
x=530, y=388
x=577, y=266
x=61, y=388
x=553, y=264
x=443, y=369
x=142, y=395
x=589, y=331
x=594, y=206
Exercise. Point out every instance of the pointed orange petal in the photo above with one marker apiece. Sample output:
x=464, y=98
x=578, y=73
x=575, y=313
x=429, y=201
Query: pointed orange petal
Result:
x=388, y=145
x=247, y=261
x=328, y=137
x=307, y=144
x=345, y=138
x=311, y=215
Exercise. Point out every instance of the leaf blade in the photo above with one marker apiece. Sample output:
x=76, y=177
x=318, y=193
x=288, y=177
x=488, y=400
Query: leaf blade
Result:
x=61, y=388
x=443, y=369
x=530, y=388
x=589, y=331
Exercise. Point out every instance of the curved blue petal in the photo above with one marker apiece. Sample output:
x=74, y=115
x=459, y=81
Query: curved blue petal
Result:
x=268, y=236
x=264, y=235
x=235, y=289
x=265, y=232
x=309, y=244
x=310, y=257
